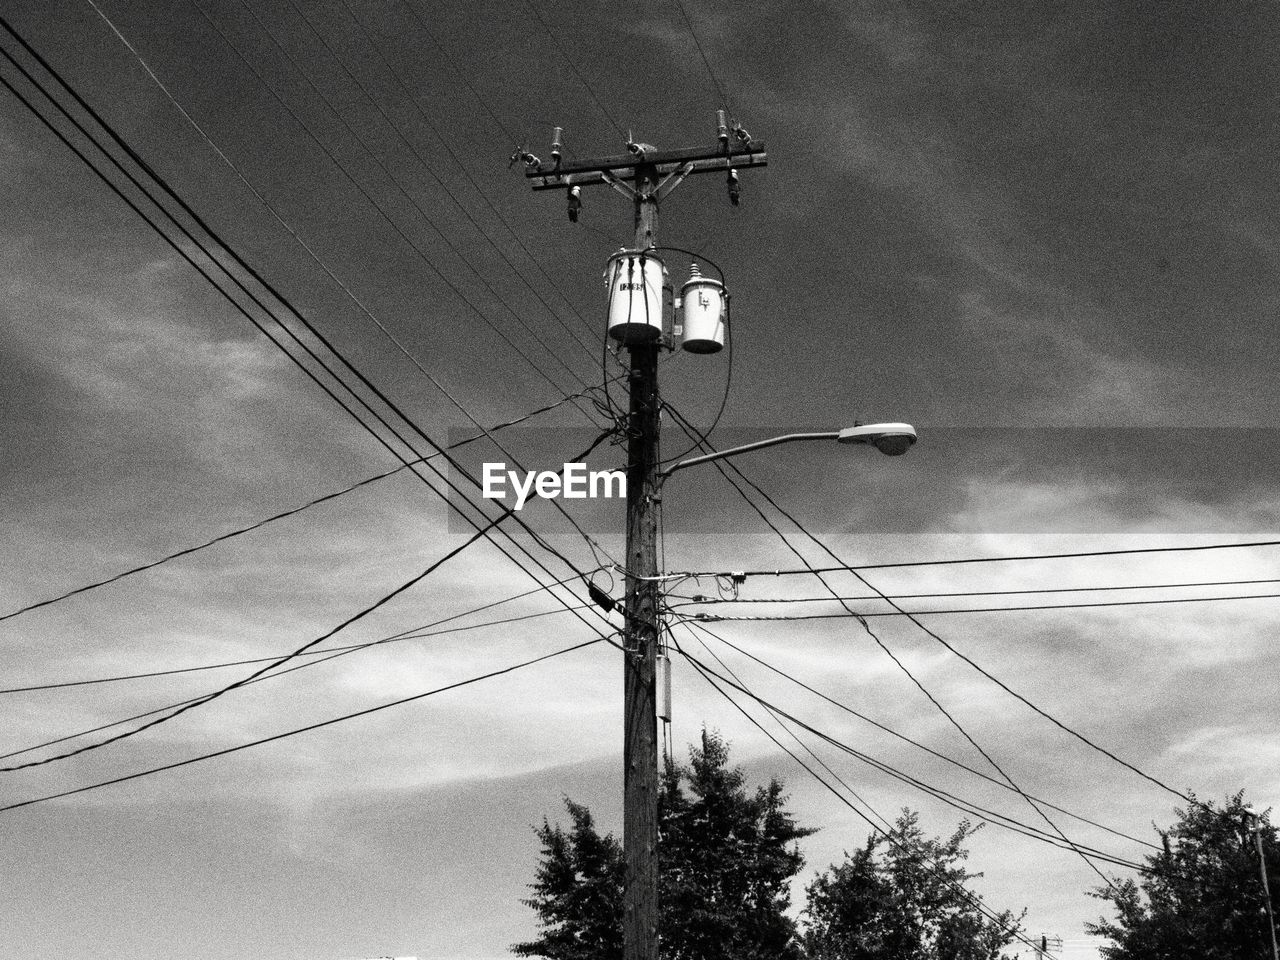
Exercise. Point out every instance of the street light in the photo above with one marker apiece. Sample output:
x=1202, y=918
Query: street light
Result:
x=891, y=439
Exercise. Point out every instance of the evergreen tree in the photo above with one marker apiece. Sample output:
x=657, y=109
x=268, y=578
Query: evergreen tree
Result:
x=1202, y=895
x=725, y=857
x=577, y=893
x=906, y=898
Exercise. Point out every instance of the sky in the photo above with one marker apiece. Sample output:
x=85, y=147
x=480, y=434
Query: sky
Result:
x=1045, y=234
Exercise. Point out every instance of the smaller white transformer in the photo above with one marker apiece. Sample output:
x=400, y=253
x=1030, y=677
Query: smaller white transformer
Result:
x=705, y=310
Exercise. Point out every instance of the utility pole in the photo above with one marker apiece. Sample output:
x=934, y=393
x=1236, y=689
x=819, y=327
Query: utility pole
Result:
x=1266, y=885
x=646, y=175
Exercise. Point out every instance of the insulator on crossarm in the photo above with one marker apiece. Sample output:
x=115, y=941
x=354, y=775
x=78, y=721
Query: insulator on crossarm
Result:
x=575, y=203
x=722, y=130
x=735, y=190
x=525, y=157
x=556, y=137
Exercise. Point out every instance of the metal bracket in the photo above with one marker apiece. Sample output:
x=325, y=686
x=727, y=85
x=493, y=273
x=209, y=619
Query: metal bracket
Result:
x=672, y=180
x=623, y=188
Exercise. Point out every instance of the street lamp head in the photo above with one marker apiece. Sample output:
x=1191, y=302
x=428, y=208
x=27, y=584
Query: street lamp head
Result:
x=891, y=439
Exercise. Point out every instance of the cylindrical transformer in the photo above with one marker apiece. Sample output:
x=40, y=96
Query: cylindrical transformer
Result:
x=636, y=279
x=705, y=310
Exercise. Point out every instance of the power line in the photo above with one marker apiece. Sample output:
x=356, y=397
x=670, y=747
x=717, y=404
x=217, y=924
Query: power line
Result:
x=324, y=656
x=533, y=6
x=298, y=730
x=373, y=388
x=348, y=648
x=382, y=165
x=386, y=598
x=444, y=142
x=183, y=253
x=903, y=737
x=697, y=599
x=595, y=546
x=422, y=255
x=1038, y=710
x=187, y=551
x=274, y=292
x=888, y=834
x=851, y=568
x=693, y=433
x=998, y=819
x=965, y=806
x=715, y=81
x=411, y=6
x=856, y=614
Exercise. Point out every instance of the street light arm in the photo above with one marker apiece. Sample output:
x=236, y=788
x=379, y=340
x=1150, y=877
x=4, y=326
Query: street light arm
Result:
x=758, y=445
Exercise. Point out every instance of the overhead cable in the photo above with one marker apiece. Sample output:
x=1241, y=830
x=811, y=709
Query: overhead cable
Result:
x=1032, y=706
x=280, y=657
x=280, y=297
x=850, y=568
x=968, y=807
x=187, y=551
x=323, y=656
x=309, y=727
x=906, y=739
x=889, y=835
x=360, y=615
x=715, y=617
x=416, y=101
x=373, y=388
x=679, y=419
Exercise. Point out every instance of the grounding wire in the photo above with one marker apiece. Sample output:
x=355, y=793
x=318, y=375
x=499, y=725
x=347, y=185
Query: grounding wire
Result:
x=306, y=729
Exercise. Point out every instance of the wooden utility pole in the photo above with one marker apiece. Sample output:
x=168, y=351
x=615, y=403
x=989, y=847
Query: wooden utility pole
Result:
x=640, y=743
x=645, y=175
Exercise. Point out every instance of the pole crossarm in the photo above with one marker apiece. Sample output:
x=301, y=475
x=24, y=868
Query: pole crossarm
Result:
x=548, y=175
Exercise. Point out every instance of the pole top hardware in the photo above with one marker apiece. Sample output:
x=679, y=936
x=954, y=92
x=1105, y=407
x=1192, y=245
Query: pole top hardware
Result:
x=733, y=149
